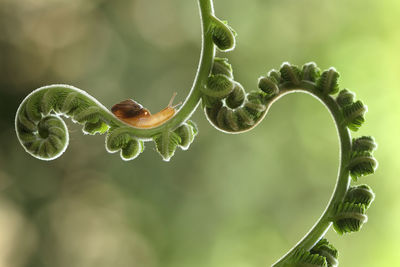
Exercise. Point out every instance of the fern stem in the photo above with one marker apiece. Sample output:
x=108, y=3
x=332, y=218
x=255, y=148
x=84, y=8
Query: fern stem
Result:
x=203, y=71
x=343, y=180
x=206, y=60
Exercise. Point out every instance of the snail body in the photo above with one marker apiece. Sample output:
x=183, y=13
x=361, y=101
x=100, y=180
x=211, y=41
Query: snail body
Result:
x=136, y=115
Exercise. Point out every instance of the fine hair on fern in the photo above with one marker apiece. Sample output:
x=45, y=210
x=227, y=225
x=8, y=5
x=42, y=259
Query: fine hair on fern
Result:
x=230, y=108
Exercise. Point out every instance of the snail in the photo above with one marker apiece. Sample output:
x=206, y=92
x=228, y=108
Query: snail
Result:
x=137, y=116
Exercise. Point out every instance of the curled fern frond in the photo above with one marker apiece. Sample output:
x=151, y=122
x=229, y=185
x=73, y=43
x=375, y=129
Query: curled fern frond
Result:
x=91, y=115
x=245, y=117
x=345, y=98
x=186, y=133
x=218, y=86
x=360, y=194
x=208, y=101
x=93, y=128
x=40, y=128
x=349, y=217
x=327, y=250
x=120, y=139
x=47, y=140
x=193, y=126
x=236, y=97
x=328, y=82
x=275, y=76
x=290, y=73
x=310, y=72
x=44, y=134
x=354, y=115
x=49, y=101
x=268, y=86
x=303, y=258
x=229, y=108
x=255, y=103
x=223, y=35
x=132, y=149
x=240, y=118
x=222, y=66
x=166, y=144
x=362, y=164
x=364, y=144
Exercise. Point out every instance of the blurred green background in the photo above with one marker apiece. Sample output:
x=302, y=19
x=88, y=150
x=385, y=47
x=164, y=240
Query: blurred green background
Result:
x=231, y=200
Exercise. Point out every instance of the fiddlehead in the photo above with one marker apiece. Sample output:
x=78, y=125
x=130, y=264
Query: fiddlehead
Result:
x=41, y=130
x=240, y=111
x=223, y=35
x=44, y=135
x=326, y=250
x=230, y=109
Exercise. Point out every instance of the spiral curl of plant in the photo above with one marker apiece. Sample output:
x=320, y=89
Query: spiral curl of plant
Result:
x=227, y=106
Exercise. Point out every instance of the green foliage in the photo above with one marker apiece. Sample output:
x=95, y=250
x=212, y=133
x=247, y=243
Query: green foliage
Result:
x=360, y=194
x=275, y=76
x=95, y=127
x=345, y=98
x=303, y=258
x=327, y=250
x=236, y=97
x=268, y=86
x=168, y=141
x=223, y=35
x=222, y=66
x=186, y=133
x=310, y=72
x=120, y=139
x=229, y=108
x=290, y=73
x=362, y=164
x=328, y=82
x=166, y=144
x=48, y=139
x=354, y=115
x=218, y=86
x=364, y=144
x=349, y=217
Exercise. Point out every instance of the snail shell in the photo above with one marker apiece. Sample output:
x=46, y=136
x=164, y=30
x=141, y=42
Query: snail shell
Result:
x=137, y=116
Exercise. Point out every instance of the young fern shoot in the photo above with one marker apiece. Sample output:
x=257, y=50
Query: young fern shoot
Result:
x=229, y=108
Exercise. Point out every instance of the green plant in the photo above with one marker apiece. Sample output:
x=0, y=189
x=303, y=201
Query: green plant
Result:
x=230, y=109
